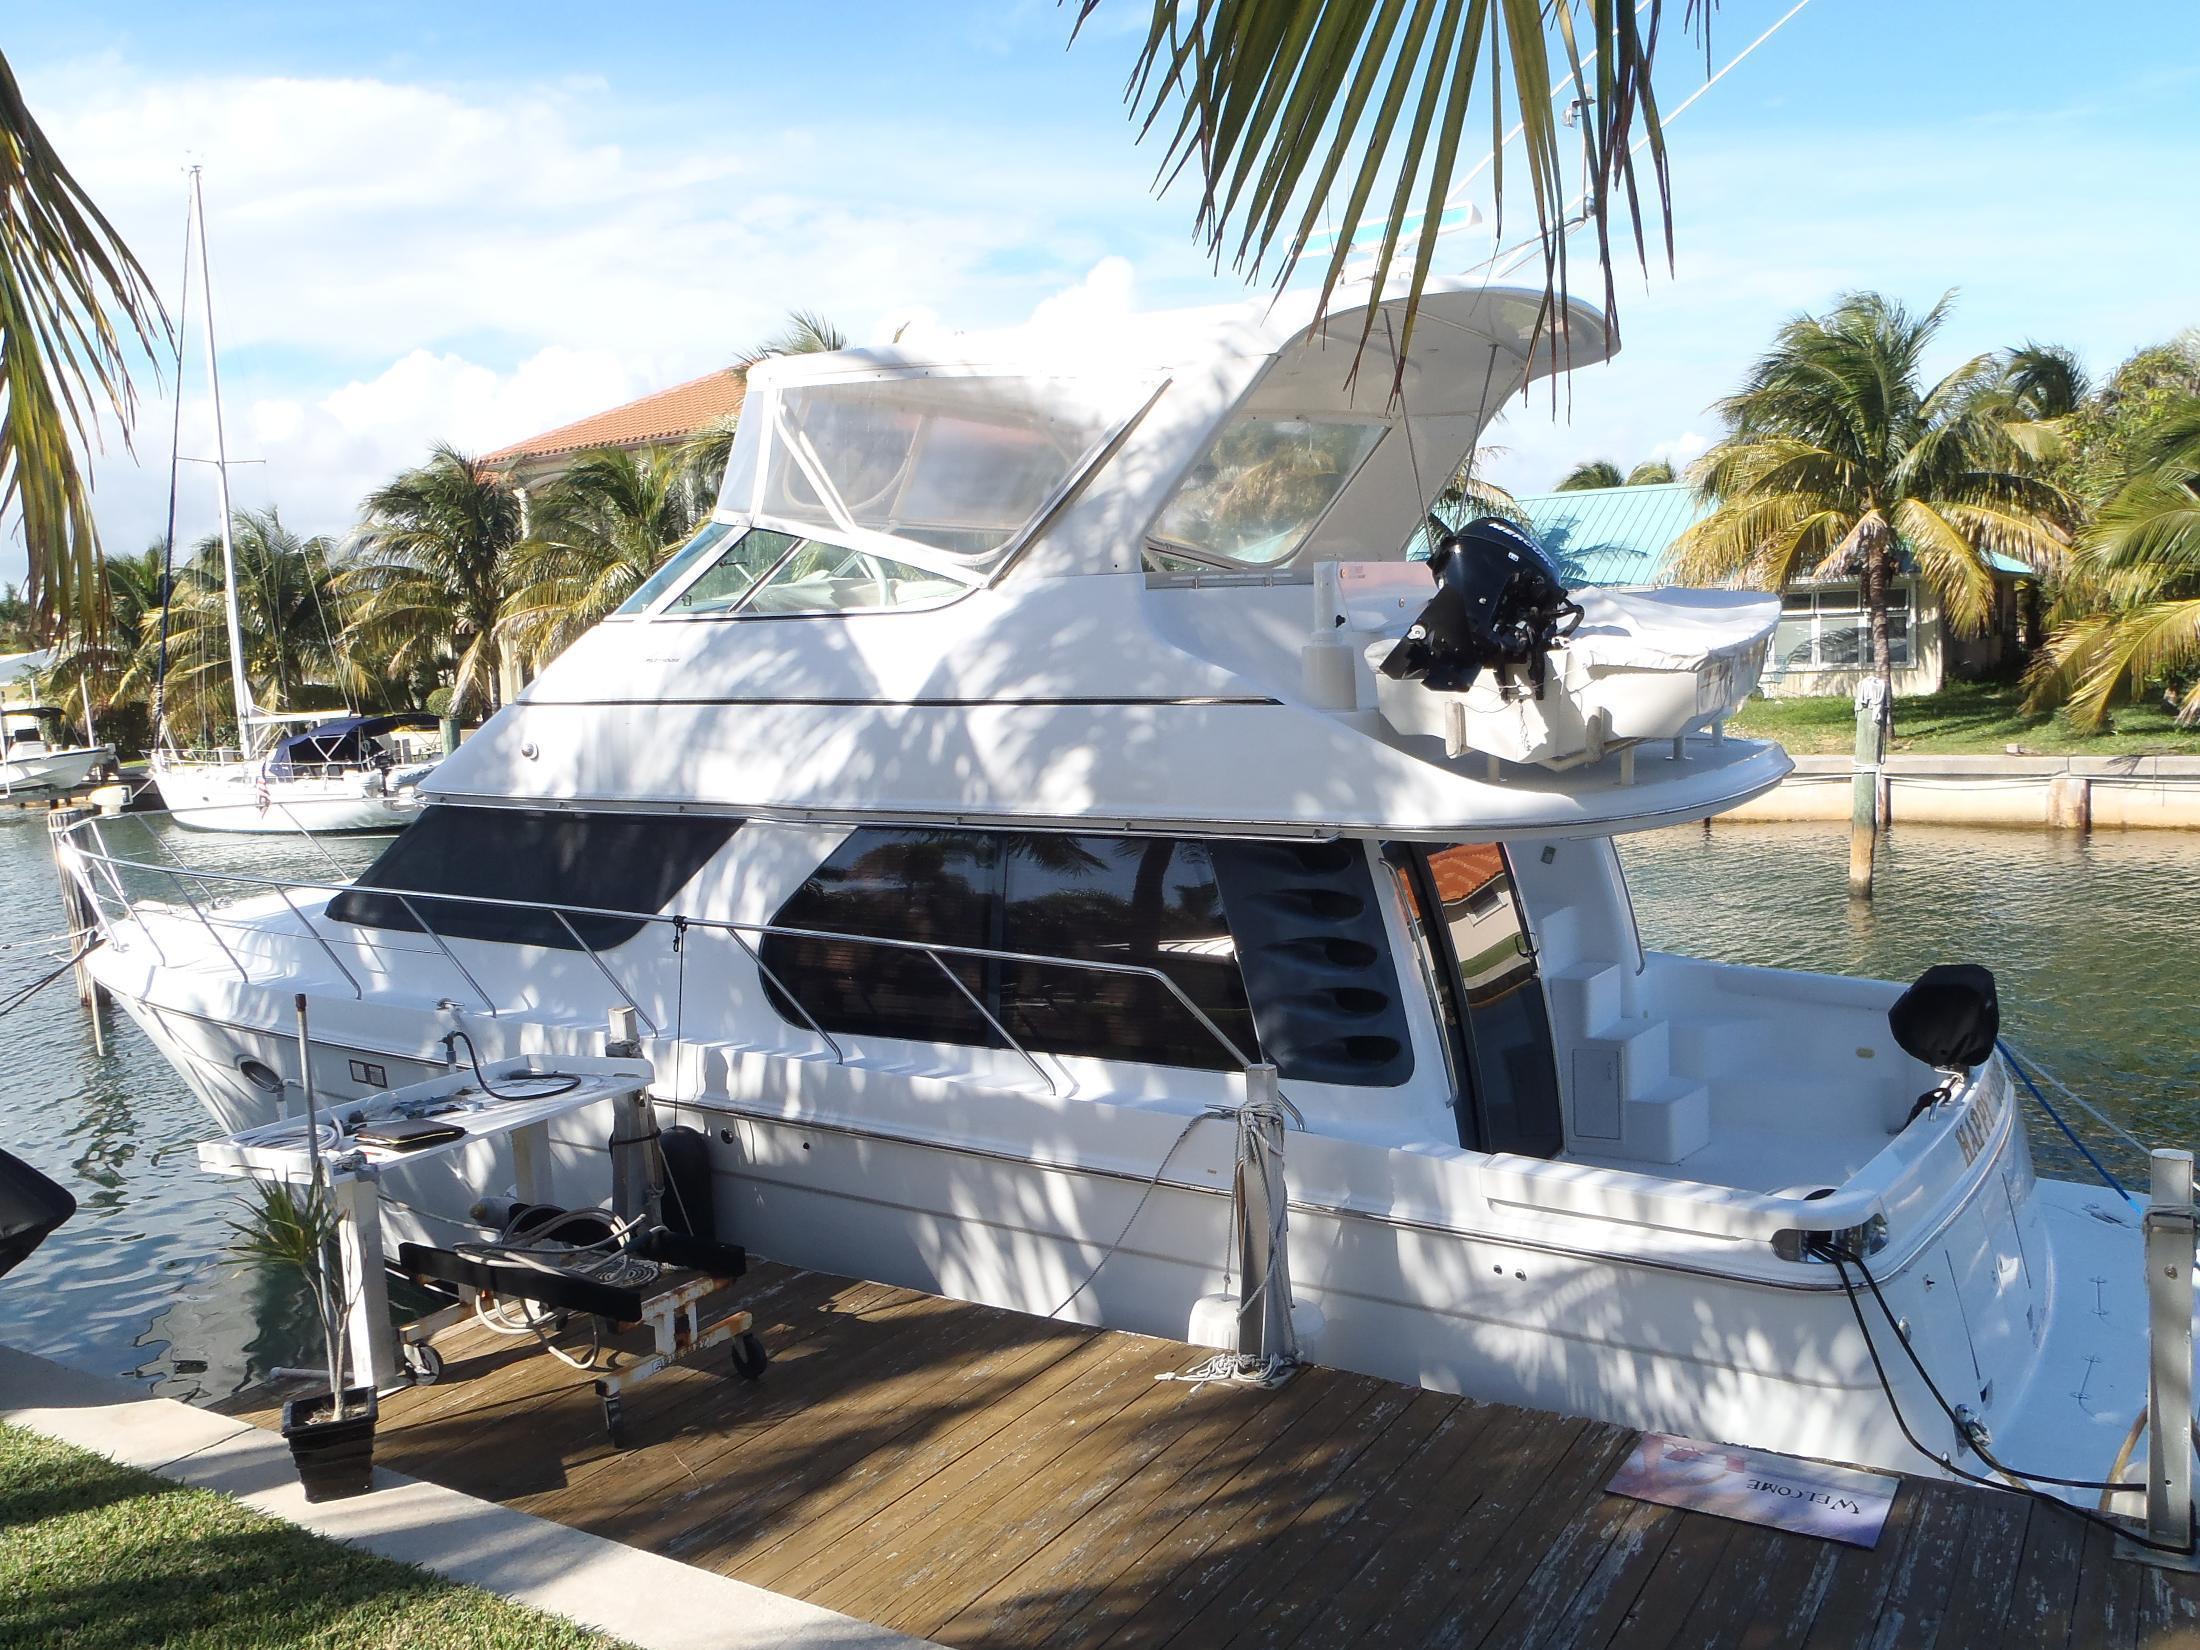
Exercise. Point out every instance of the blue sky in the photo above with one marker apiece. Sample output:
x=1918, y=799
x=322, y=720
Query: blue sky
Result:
x=476, y=222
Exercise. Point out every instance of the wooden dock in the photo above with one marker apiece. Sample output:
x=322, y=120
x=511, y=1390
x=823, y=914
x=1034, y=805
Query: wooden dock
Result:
x=987, y=1479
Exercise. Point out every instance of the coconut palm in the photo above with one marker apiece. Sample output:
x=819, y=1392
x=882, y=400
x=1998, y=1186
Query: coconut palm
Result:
x=600, y=529
x=1838, y=452
x=1602, y=472
x=805, y=333
x=2131, y=607
x=431, y=572
x=72, y=297
x=287, y=613
x=107, y=656
x=1291, y=116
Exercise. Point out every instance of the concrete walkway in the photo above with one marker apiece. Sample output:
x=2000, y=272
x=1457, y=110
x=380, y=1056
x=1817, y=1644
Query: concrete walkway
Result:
x=649, y=1601
x=2074, y=793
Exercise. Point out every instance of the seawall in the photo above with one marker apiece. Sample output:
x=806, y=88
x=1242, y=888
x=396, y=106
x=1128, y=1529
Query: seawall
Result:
x=2070, y=793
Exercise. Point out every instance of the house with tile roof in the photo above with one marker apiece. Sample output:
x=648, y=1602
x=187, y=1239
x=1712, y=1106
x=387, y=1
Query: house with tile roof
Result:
x=1623, y=535
x=659, y=420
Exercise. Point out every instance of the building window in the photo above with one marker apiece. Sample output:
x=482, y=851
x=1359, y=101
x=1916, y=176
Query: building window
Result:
x=537, y=858
x=1280, y=947
x=1828, y=629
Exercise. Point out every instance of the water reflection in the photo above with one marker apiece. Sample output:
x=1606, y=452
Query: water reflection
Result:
x=137, y=1284
x=2089, y=937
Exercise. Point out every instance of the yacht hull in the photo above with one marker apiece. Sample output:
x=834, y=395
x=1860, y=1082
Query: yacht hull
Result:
x=60, y=771
x=1615, y=1331
x=238, y=797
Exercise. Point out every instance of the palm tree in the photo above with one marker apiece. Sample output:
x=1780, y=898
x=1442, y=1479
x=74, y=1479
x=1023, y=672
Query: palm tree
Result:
x=287, y=611
x=1271, y=102
x=431, y=572
x=71, y=297
x=805, y=333
x=1837, y=453
x=600, y=529
x=110, y=654
x=1602, y=472
x=2131, y=607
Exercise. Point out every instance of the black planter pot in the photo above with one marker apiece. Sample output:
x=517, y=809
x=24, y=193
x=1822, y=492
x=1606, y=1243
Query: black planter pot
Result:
x=335, y=1459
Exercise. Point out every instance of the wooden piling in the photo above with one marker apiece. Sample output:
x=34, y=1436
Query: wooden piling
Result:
x=82, y=919
x=1865, y=812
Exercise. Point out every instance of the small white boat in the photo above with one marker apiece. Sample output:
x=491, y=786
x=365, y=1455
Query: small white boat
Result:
x=41, y=756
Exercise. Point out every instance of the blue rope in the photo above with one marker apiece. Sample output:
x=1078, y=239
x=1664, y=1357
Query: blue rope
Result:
x=2069, y=1133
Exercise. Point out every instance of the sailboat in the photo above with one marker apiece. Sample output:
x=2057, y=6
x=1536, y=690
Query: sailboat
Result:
x=334, y=771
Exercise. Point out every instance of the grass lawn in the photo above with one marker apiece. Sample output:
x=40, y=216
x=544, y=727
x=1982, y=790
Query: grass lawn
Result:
x=99, y=1557
x=1965, y=718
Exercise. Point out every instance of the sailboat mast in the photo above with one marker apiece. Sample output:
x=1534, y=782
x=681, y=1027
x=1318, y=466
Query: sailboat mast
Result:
x=238, y=682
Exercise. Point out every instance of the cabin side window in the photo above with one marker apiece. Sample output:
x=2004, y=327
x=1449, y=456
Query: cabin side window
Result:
x=1266, y=946
x=537, y=859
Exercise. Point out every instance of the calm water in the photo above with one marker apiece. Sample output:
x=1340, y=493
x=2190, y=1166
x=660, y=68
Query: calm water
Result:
x=2091, y=940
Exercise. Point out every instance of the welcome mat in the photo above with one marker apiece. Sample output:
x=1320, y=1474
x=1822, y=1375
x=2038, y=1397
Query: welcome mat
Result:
x=1837, y=1503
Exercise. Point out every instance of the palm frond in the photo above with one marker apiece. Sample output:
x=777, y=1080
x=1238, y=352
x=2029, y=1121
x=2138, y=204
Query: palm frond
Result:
x=69, y=292
x=1290, y=114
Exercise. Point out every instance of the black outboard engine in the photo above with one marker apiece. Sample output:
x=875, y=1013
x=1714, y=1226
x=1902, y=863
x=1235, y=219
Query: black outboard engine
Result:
x=1949, y=1019
x=1499, y=603
x=30, y=1207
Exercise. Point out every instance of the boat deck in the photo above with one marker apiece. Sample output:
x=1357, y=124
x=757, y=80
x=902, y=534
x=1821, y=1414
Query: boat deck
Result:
x=983, y=1478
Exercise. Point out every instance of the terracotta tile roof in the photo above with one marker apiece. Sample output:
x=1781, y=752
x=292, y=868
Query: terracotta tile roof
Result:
x=666, y=416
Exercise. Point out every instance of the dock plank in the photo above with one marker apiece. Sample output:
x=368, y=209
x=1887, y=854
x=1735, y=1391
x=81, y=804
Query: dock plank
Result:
x=991, y=1480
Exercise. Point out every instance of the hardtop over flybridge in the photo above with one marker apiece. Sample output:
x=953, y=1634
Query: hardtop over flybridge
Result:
x=1044, y=738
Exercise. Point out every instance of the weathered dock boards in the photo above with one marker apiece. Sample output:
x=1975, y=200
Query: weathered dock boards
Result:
x=987, y=1479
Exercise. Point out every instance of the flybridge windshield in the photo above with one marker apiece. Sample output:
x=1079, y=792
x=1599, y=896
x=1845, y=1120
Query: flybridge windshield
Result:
x=957, y=465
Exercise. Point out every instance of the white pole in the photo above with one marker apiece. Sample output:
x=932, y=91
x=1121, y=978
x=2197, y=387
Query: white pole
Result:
x=84, y=685
x=240, y=686
x=2169, y=1262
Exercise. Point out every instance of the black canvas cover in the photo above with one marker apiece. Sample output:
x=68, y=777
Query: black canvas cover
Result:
x=1949, y=1018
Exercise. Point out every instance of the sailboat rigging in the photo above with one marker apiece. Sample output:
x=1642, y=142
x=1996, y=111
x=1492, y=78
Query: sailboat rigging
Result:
x=336, y=772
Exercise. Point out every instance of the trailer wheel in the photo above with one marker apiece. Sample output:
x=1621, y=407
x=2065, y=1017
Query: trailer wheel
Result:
x=749, y=1357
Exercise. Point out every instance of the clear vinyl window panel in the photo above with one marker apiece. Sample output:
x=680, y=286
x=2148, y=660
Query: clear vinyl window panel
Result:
x=957, y=464
x=1258, y=491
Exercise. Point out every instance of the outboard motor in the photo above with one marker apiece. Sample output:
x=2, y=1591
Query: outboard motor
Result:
x=30, y=1207
x=1949, y=1019
x=1499, y=603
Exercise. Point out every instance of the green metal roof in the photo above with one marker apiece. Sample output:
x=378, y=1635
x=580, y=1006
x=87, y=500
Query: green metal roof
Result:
x=1612, y=535
x=1619, y=535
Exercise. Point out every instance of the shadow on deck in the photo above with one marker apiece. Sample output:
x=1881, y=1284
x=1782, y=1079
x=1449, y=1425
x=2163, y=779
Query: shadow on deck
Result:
x=989, y=1480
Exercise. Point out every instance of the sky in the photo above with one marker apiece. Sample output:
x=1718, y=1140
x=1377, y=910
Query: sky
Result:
x=431, y=222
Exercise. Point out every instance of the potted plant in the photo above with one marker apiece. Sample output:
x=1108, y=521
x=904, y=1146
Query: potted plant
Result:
x=331, y=1431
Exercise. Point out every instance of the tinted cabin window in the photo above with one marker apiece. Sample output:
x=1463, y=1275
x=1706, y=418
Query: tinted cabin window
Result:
x=1150, y=902
x=1144, y=901
x=1295, y=924
x=934, y=886
x=618, y=862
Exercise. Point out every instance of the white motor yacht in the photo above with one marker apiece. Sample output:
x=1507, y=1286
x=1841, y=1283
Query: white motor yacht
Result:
x=1041, y=736
x=40, y=754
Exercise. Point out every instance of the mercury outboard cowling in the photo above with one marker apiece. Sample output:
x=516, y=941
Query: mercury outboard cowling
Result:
x=1499, y=602
x=30, y=1207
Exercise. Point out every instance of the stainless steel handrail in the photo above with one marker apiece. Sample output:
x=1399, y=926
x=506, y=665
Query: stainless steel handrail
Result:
x=678, y=920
